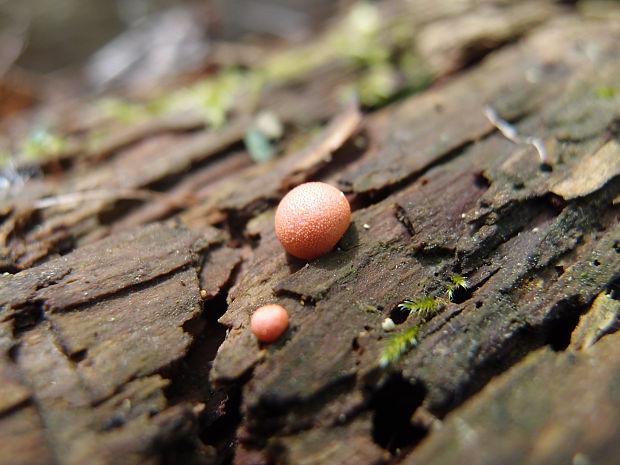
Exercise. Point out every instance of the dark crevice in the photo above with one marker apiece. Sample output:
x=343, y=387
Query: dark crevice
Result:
x=455, y=310
x=511, y=351
x=220, y=415
x=403, y=218
x=9, y=268
x=176, y=441
x=173, y=180
x=613, y=288
x=24, y=224
x=7, y=412
x=216, y=306
x=123, y=292
x=236, y=220
x=555, y=332
x=474, y=285
x=190, y=375
x=117, y=209
x=51, y=280
x=439, y=322
x=13, y=352
x=218, y=424
x=563, y=320
x=476, y=51
x=61, y=246
x=481, y=181
x=276, y=414
x=78, y=356
x=114, y=421
x=393, y=406
x=507, y=222
x=398, y=315
x=27, y=317
x=555, y=202
x=371, y=197
x=460, y=295
x=545, y=167
x=432, y=254
x=75, y=357
x=308, y=300
x=121, y=208
x=614, y=129
x=350, y=151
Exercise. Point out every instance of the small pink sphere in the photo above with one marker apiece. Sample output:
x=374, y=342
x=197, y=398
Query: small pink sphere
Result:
x=311, y=219
x=269, y=322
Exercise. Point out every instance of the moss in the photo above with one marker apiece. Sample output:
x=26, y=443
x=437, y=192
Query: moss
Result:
x=348, y=275
x=585, y=277
x=382, y=53
x=290, y=65
x=588, y=109
x=366, y=307
x=42, y=144
x=425, y=307
x=5, y=158
x=378, y=52
x=383, y=247
x=376, y=85
x=213, y=97
x=96, y=139
x=120, y=110
x=605, y=92
x=321, y=294
x=397, y=344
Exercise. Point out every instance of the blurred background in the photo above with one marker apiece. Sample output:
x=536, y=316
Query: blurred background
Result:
x=100, y=44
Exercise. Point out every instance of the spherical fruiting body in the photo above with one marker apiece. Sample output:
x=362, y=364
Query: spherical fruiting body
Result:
x=269, y=322
x=311, y=219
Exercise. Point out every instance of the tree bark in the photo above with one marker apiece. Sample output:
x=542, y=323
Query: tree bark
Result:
x=130, y=279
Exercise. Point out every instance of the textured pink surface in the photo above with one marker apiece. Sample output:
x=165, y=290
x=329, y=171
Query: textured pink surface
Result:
x=269, y=322
x=311, y=219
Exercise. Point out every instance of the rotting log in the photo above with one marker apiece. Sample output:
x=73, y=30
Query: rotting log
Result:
x=129, y=282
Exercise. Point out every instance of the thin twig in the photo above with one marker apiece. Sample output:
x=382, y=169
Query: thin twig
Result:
x=510, y=133
x=100, y=194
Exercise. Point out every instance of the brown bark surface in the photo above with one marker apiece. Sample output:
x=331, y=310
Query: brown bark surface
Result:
x=129, y=279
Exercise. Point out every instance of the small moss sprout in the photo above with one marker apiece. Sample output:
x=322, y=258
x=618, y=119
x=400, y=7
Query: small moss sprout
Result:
x=426, y=307
x=398, y=344
x=456, y=282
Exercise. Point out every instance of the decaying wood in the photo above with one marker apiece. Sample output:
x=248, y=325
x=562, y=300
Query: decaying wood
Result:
x=529, y=417
x=111, y=313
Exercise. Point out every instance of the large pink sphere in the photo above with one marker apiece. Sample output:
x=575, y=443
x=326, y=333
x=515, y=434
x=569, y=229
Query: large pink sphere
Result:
x=269, y=322
x=311, y=219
